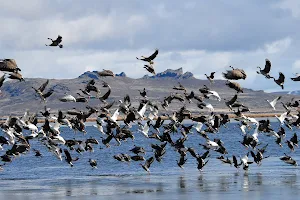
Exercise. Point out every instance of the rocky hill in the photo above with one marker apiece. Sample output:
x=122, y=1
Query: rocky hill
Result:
x=16, y=96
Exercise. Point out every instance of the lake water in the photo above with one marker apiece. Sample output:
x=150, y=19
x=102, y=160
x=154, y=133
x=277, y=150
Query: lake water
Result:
x=30, y=177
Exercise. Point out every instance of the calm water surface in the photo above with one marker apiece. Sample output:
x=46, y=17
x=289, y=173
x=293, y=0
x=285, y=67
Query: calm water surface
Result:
x=29, y=177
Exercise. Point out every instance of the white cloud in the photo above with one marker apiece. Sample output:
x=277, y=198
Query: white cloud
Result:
x=278, y=46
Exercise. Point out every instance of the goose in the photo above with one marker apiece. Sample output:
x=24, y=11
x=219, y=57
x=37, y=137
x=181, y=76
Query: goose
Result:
x=179, y=87
x=41, y=89
x=281, y=118
x=273, y=103
x=105, y=73
x=68, y=158
x=245, y=162
x=9, y=65
x=213, y=95
x=235, y=74
x=147, y=164
x=234, y=85
x=150, y=58
x=143, y=93
x=207, y=105
x=231, y=101
x=99, y=125
x=17, y=76
x=150, y=69
x=280, y=80
x=2, y=79
x=144, y=129
x=93, y=163
x=210, y=77
x=265, y=72
x=297, y=78
x=106, y=95
x=181, y=161
x=198, y=126
x=56, y=42
x=115, y=116
x=288, y=159
x=68, y=98
x=138, y=150
x=142, y=111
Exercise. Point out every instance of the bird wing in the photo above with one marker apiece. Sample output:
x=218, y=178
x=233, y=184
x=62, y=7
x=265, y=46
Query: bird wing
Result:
x=232, y=100
x=281, y=77
x=115, y=115
x=273, y=103
x=149, y=161
x=43, y=86
x=153, y=55
x=127, y=99
x=143, y=110
x=48, y=94
x=267, y=66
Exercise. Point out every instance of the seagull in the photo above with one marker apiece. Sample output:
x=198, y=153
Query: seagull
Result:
x=273, y=103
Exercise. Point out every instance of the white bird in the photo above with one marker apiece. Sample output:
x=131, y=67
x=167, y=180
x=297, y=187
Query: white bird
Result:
x=115, y=116
x=250, y=119
x=213, y=95
x=281, y=118
x=255, y=134
x=144, y=129
x=243, y=128
x=245, y=162
x=9, y=133
x=57, y=139
x=198, y=126
x=211, y=144
x=141, y=113
x=99, y=126
x=273, y=103
x=68, y=98
x=208, y=106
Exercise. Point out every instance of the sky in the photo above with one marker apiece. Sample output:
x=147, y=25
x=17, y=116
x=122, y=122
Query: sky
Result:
x=198, y=35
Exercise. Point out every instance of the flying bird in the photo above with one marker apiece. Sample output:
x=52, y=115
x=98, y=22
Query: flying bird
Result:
x=41, y=89
x=56, y=42
x=265, y=72
x=150, y=58
x=280, y=80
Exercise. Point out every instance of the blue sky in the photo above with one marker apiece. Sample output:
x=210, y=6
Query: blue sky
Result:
x=200, y=36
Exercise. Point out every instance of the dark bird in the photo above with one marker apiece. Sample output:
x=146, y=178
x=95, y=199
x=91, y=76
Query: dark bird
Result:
x=210, y=77
x=235, y=74
x=147, y=164
x=9, y=65
x=106, y=72
x=41, y=89
x=297, y=78
x=280, y=80
x=150, y=58
x=142, y=93
x=150, y=69
x=265, y=72
x=93, y=163
x=56, y=42
x=234, y=85
x=17, y=76
x=69, y=158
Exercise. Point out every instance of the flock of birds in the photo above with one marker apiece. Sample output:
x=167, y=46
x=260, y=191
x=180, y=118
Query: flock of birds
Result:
x=19, y=131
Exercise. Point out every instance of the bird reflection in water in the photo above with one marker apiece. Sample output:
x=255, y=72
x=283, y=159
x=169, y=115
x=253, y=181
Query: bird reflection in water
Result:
x=182, y=184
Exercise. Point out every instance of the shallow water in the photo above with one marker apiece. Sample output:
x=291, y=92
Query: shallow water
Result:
x=29, y=177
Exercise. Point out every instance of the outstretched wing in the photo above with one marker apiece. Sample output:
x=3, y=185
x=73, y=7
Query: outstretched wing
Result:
x=48, y=94
x=281, y=77
x=267, y=66
x=153, y=55
x=43, y=86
